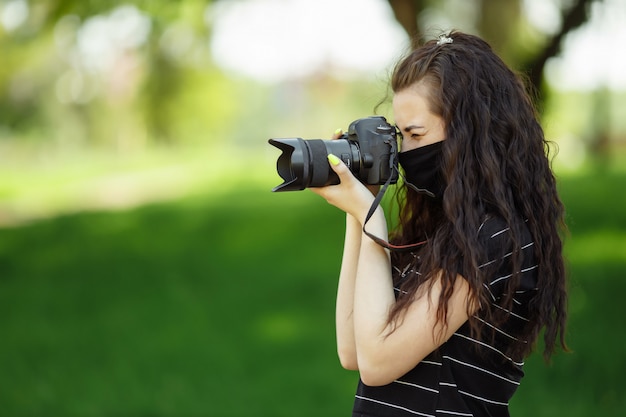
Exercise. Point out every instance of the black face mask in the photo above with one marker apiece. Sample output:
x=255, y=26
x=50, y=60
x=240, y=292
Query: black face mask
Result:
x=422, y=169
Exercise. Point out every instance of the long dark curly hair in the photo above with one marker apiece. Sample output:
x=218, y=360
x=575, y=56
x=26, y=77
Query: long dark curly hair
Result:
x=496, y=162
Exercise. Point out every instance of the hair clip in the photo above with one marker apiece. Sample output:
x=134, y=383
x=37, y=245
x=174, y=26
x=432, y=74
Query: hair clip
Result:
x=443, y=39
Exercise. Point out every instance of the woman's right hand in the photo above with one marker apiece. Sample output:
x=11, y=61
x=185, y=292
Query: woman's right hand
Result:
x=373, y=188
x=350, y=195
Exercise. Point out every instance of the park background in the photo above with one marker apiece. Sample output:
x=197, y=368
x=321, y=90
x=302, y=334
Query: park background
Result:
x=147, y=270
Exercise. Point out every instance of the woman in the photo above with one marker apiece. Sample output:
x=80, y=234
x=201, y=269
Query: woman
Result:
x=443, y=329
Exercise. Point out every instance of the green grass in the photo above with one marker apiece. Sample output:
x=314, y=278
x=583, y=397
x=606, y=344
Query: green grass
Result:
x=221, y=304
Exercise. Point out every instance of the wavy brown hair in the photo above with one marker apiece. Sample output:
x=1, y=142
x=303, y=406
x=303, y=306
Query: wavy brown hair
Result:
x=496, y=162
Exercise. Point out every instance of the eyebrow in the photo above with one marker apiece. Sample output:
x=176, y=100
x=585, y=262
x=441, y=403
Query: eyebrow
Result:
x=409, y=128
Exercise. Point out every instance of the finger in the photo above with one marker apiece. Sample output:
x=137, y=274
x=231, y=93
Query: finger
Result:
x=338, y=165
x=337, y=134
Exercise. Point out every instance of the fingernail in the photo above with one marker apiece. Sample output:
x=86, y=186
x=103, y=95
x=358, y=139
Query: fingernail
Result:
x=338, y=131
x=333, y=159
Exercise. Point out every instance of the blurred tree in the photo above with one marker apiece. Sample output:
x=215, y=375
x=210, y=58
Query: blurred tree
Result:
x=93, y=64
x=501, y=24
x=571, y=18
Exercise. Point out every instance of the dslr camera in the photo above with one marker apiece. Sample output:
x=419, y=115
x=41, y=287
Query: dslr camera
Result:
x=369, y=149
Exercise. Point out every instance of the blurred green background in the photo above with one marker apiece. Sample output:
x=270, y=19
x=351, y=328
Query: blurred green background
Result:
x=147, y=270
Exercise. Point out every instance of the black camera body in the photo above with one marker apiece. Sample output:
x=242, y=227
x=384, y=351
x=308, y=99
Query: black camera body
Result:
x=369, y=149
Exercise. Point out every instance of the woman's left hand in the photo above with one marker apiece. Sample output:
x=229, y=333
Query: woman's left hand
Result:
x=350, y=195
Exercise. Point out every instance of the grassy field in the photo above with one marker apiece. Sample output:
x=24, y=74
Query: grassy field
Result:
x=221, y=304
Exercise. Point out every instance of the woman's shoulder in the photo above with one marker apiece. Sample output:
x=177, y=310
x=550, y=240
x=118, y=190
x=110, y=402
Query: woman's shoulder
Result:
x=492, y=224
x=496, y=236
x=496, y=228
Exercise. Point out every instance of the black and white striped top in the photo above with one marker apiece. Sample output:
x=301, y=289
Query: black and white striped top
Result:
x=465, y=376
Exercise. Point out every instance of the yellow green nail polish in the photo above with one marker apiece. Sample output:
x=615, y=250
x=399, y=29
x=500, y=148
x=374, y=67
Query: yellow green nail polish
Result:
x=338, y=131
x=333, y=159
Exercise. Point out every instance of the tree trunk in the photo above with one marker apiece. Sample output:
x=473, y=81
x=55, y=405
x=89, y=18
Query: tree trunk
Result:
x=572, y=19
x=406, y=13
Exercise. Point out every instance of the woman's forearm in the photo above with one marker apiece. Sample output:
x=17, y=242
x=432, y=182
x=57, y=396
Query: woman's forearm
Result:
x=373, y=292
x=344, y=315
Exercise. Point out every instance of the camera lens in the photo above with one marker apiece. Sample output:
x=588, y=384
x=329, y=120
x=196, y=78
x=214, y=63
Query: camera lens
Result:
x=304, y=163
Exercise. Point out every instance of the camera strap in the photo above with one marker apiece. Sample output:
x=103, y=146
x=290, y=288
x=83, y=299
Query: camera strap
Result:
x=393, y=167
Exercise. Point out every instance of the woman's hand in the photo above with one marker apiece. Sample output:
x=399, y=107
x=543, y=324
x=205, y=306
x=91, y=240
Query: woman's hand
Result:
x=350, y=195
x=373, y=188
